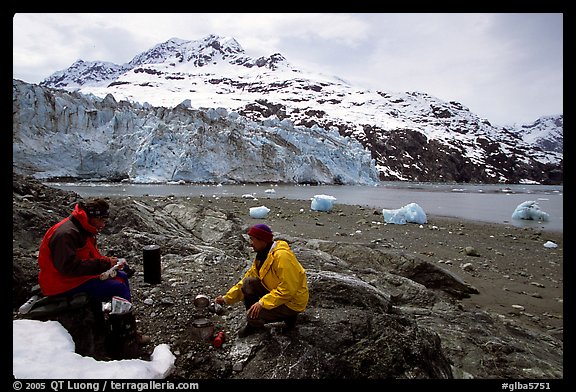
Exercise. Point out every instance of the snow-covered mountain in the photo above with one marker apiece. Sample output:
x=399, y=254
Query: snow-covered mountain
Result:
x=546, y=133
x=410, y=135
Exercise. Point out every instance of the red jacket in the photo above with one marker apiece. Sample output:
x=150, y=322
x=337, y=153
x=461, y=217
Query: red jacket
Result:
x=68, y=255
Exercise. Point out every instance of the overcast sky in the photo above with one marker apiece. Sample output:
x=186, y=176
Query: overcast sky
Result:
x=505, y=67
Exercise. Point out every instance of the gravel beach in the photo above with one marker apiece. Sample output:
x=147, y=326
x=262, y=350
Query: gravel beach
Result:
x=515, y=274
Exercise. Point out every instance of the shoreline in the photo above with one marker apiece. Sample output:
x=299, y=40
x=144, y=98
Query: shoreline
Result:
x=519, y=224
x=436, y=202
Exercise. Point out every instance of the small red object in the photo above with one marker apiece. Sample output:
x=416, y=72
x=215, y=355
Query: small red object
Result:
x=219, y=339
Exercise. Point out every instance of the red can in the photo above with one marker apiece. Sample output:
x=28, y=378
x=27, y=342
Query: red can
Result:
x=219, y=339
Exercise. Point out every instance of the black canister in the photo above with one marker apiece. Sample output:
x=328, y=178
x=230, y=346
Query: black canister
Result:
x=152, y=264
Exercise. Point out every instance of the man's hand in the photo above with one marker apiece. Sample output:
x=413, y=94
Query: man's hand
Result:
x=121, y=262
x=220, y=300
x=254, y=310
x=118, y=262
x=111, y=273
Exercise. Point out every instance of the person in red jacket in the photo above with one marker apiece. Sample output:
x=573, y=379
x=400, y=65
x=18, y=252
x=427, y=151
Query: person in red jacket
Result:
x=70, y=261
x=274, y=288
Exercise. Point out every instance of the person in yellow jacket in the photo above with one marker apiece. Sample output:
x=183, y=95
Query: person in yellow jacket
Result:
x=274, y=288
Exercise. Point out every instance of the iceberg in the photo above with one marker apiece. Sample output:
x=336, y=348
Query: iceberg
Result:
x=259, y=212
x=529, y=210
x=322, y=203
x=412, y=213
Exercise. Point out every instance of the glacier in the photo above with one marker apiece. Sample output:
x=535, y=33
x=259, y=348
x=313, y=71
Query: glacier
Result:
x=67, y=134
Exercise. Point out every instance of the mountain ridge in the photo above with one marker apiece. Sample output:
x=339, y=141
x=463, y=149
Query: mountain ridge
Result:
x=411, y=135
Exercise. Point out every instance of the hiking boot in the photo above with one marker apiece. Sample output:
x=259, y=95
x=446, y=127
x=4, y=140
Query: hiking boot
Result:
x=247, y=330
x=143, y=340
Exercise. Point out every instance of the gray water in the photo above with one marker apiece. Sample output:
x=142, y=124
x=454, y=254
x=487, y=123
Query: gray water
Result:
x=485, y=203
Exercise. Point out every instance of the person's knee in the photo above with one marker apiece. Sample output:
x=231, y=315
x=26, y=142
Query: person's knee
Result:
x=121, y=290
x=250, y=286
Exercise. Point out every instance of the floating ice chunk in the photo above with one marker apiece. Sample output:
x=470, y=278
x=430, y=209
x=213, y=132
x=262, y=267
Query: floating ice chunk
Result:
x=270, y=190
x=322, y=202
x=248, y=196
x=530, y=210
x=550, y=244
x=412, y=213
x=259, y=212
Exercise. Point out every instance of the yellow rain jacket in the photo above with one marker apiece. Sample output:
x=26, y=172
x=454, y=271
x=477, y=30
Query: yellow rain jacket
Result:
x=282, y=275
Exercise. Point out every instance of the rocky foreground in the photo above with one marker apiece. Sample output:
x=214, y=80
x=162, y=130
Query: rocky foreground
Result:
x=444, y=300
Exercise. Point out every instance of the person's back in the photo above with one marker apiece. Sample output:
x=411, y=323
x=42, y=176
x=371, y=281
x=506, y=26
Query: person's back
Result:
x=288, y=277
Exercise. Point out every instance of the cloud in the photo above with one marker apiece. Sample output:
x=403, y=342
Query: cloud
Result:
x=506, y=67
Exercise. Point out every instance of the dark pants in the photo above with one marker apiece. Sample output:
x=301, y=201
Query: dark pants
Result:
x=104, y=290
x=253, y=290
